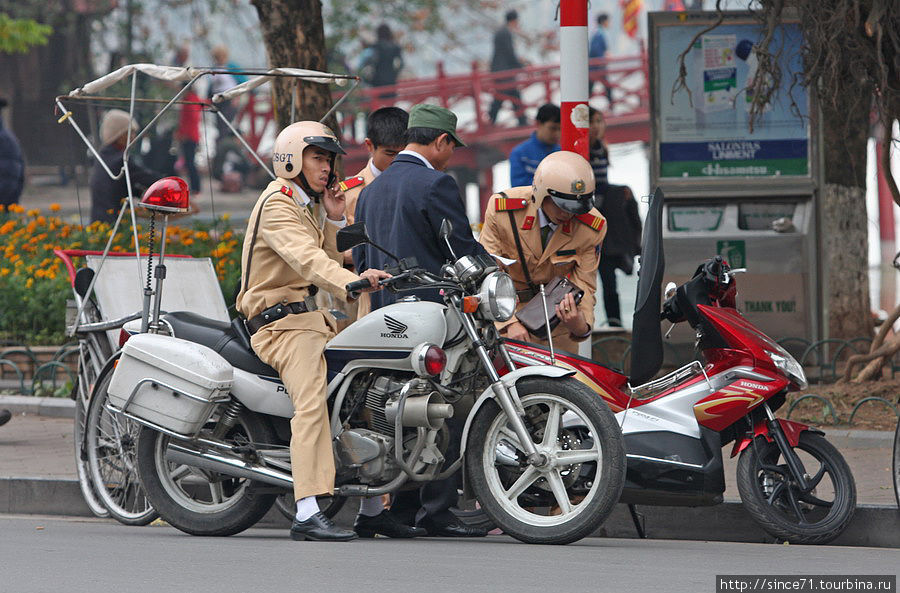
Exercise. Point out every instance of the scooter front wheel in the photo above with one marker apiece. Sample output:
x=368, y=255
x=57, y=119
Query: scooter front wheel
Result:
x=815, y=515
x=570, y=495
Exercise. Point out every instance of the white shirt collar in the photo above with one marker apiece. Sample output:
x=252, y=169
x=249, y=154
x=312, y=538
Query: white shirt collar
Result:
x=375, y=170
x=299, y=194
x=542, y=218
x=417, y=155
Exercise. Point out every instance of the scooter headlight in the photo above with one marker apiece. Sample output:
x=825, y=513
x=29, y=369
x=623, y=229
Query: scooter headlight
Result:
x=497, y=297
x=789, y=366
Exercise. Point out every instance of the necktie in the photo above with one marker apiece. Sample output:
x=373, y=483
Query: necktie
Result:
x=545, y=235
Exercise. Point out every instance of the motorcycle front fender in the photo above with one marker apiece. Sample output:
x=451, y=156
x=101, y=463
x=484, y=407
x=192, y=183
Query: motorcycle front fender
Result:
x=791, y=430
x=510, y=379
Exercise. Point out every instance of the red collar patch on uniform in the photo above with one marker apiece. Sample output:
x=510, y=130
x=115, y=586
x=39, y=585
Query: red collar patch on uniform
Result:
x=287, y=191
x=528, y=224
x=504, y=204
x=595, y=222
x=351, y=182
x=567, y=227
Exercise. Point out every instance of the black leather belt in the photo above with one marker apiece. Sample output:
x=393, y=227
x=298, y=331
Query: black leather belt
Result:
x=276, y=312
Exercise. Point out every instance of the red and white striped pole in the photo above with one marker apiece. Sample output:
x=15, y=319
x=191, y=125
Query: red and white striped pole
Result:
x=573, y=75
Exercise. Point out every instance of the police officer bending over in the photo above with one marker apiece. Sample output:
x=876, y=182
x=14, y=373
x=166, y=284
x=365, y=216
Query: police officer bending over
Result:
x=287, y=258
x=560, y=234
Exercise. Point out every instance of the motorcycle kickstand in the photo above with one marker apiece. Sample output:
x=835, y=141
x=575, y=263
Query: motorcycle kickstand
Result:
x=639, y=521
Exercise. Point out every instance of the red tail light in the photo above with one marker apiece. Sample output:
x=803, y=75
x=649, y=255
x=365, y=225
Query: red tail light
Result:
x=435, y=361
x=123, y=337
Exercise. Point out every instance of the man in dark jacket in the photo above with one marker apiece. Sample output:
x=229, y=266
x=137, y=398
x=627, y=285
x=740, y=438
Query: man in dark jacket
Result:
x=622, y=243
x=505, y=58
x=12, y=166
x=107, y=193
x=403, y=209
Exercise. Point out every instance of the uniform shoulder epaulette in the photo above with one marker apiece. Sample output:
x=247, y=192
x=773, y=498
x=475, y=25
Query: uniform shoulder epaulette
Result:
x=287, y=191
x=351, y=182
x=504, y=204
x=595, y=222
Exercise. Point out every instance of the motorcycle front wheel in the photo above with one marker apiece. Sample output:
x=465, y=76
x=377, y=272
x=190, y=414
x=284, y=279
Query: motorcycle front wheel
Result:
x=203, y=502
x=816, y=515
x=572, y=494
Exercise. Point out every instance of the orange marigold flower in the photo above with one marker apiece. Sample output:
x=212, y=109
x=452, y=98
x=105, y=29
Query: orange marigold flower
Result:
x=34, y=212
x=55, y=207
x=29, y=283
x=7, y=226
x=188, y=241
x=4, y=272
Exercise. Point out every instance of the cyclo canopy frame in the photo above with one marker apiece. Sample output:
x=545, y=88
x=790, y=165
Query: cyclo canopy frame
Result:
x=90, y=92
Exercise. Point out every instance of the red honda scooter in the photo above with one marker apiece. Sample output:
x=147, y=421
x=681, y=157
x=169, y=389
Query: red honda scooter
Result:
x=794, y=483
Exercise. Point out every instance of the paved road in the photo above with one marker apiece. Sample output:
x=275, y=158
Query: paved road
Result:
x=55, y=555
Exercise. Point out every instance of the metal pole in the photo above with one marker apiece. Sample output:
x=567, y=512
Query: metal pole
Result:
x=573, y=75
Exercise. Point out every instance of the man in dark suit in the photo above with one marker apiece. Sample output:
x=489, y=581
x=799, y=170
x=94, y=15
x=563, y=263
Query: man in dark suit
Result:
x=403, y=209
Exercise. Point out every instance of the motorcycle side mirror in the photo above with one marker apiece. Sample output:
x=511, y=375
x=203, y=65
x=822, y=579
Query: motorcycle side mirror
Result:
x=670, y=290
x=351, y=236
x=444, y=233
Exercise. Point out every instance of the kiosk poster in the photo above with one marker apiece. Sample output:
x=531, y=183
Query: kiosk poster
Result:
x=708, y=136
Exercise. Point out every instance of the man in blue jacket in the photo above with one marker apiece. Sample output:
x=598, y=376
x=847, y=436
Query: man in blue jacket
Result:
x=524, y=158
x=403, y=209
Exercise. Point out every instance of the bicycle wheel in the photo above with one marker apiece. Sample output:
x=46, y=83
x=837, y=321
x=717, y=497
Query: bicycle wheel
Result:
x=82, y=395
x=896, y=468
x=111, y=452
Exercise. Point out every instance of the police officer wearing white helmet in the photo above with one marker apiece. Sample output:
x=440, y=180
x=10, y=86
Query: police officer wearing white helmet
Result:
x=551, y=229
x=287, y=257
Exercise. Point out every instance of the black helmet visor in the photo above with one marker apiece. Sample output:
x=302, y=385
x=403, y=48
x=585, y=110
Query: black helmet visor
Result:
x=574, y=203
x=325, y=143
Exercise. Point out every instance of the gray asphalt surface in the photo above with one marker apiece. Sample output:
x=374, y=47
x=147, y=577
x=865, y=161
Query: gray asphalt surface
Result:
x=44, y=555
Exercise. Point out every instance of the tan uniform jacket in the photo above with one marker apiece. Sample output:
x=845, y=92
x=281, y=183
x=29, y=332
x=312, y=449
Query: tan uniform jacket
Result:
x=365, y=176
x=292, y=252
x=572, y=250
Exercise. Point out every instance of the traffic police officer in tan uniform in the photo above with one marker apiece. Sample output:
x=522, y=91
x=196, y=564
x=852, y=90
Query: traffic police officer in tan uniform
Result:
x=560, y=234
x=287, y=257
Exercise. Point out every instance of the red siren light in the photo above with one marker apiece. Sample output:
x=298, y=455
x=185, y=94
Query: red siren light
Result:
x=168, y=195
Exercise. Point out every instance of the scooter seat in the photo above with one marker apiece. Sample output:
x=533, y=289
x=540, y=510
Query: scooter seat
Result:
x=221, y=337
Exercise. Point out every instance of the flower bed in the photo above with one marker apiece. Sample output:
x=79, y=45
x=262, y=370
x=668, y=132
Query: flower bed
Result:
x=34, y=286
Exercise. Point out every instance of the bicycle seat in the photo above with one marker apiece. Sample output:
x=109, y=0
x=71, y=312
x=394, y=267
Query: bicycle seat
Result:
x=221, y=337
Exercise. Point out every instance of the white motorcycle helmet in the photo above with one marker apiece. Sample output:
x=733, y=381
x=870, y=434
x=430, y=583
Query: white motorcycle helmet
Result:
x=567, y=179
x=287, y=155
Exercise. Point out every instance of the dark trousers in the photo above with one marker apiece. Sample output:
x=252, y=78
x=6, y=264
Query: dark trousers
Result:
x=511, y=95
x=607, y=271
x=188, y=152
x=431, y=503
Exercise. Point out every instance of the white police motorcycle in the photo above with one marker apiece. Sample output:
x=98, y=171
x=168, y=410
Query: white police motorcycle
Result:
x=213, y=452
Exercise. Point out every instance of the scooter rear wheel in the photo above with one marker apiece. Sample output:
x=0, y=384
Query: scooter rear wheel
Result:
x=775, y=501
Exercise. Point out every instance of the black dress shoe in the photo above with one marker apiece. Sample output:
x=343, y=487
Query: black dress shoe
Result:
x=384, y=524
x=320, y=528
x=452, y=529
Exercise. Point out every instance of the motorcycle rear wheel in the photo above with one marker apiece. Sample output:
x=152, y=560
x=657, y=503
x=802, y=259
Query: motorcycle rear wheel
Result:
x=200, y=502
x=542, y=504
x=785, y=512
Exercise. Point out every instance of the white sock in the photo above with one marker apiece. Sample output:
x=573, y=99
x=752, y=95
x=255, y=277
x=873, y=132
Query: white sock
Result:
x=306, y=508
x=371, y=507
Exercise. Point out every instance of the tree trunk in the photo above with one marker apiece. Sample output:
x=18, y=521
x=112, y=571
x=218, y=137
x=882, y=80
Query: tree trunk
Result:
x=844, y=224
x=294, y=36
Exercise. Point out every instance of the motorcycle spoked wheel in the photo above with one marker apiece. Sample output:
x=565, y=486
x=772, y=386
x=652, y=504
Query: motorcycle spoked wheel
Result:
x=540, y=505
x=200, y=502
x=111, y=441
x=775, y=502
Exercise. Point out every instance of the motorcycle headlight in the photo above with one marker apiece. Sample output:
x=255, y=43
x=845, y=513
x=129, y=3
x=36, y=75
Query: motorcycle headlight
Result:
x=497, y=297
x=789, y=366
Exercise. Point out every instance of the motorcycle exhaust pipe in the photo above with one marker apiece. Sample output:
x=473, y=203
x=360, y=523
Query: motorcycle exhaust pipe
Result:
x=428, y=411
x=230, y=466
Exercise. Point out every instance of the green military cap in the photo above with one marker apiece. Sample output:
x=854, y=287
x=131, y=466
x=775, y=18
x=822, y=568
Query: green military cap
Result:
x=437, y=118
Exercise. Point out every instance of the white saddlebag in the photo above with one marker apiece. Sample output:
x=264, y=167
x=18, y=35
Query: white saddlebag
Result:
x=169, y=382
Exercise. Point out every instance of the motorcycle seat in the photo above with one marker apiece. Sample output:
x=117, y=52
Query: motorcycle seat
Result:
x=221, y=337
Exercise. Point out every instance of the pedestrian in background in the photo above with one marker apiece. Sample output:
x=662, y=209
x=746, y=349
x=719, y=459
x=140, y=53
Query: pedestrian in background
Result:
x=107, y=193
x=219, y=83
x=524, y=158
x=505, y=58
x=12, y=165
x=383, y=61
x=598, y=49
x=188, y=132
x=623, y=242
x=598, y=153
